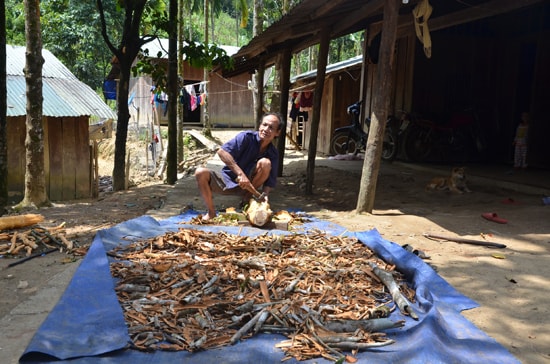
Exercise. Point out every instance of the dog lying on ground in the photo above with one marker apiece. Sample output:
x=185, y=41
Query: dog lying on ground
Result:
x=456, y=182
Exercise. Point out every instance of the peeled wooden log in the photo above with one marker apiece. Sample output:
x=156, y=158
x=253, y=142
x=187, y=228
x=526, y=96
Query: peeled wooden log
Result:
x=371, y=325
x=400, y=300
x=258, y=213
x=18, y=221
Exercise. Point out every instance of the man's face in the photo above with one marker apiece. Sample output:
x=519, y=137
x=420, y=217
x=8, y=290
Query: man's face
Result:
x=269, y=128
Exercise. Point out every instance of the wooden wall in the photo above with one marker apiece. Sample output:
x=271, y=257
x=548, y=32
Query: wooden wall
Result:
x=341, y=89
x=66, y=158
x=498, y=75
x=230, y=101
x=16, y=133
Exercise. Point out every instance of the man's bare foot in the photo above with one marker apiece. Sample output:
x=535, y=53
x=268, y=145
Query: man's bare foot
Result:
x=207, y=217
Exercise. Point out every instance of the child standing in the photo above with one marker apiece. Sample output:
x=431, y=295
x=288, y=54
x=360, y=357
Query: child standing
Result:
x=520, y=142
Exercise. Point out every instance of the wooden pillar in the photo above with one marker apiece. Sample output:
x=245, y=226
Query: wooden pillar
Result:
x=172, y=151
x=284, y=76
x=364, y=75
x=259, y=92
x=316, y=115
x=381, y=103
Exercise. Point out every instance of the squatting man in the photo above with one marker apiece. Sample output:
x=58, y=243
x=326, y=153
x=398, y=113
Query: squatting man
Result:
x=250, y=159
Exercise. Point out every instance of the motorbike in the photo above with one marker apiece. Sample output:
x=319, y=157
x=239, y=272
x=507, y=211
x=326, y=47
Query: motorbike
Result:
x=457, y=140
x=352, y=139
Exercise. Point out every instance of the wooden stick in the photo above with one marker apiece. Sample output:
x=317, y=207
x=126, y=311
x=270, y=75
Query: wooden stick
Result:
x=400, y=300
x=247, y=327
x=13, y=241
x=465, y=241
x=31, y=257
x=371, y=325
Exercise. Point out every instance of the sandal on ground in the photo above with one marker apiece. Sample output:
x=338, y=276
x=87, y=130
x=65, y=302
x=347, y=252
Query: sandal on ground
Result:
x=492, y=216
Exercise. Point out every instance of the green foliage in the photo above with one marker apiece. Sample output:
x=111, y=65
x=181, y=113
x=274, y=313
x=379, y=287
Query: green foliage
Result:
x=155, y=18
x=157, y=71
x=189, y=142
x=345, y=47
x=197, y=54
x=71, y=31
x=244, y=13
x=15, y=22
x=201, y=55
x=227, y=29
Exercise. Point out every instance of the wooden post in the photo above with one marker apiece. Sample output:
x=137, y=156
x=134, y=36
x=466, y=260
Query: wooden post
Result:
x=373, y=154
x=127, y=172
x=96, y=168
x=259, y=92
x=283, y=109
x=316, y=117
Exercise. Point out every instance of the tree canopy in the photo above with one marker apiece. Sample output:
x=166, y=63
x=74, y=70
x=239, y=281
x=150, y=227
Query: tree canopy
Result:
x=71, y=30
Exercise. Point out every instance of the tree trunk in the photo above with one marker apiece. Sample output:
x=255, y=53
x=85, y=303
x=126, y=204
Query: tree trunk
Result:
x=205, y=117
x=172, y=153
x=35, y=180
x=119, y=168
x=126, y=52
x=3, y=112
x=316, y=115
x=181, y=111
x=373, y=154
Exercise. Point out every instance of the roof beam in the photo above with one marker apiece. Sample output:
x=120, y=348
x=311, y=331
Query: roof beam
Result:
x=493, y=8
x=365, y=11
x=473, y=13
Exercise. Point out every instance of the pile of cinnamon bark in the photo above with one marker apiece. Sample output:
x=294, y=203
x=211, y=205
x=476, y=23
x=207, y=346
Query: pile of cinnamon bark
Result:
x=195, y=290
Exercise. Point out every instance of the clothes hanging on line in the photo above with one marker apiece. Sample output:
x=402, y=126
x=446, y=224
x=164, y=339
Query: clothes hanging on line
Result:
x=190, y=100
x=306, y=101
x=302, y=103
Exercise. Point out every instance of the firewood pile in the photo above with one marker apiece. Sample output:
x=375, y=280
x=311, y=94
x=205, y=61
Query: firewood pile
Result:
x=20, y=235
x=194, y=159
x=196, y=290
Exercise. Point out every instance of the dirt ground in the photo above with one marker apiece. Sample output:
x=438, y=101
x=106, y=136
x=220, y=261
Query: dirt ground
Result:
x=511, y=284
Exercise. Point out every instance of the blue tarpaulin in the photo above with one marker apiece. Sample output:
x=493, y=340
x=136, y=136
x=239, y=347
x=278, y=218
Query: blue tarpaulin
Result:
x=87, y=324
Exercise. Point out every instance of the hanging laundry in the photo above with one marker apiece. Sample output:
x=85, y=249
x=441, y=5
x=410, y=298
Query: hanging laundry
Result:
x=295, y=107
x=192, y=97
x=152, y=90
x=109, y=89
x=202, y=99
x=162, y=99
x=184, y=98
x=306, y=101
x=422, y=13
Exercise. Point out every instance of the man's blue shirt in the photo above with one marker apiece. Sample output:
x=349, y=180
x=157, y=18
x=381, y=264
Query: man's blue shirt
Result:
x=245, y=150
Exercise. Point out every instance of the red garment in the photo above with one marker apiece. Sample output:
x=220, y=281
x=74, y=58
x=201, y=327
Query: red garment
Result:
x=306, y=101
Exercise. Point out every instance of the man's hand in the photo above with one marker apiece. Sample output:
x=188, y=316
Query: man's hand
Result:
x=244, y=182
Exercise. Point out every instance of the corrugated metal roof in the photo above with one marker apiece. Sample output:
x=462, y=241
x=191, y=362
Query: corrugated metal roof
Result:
x=64, y=95
x=334, y=67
